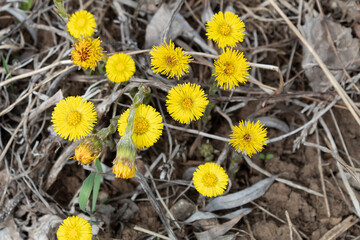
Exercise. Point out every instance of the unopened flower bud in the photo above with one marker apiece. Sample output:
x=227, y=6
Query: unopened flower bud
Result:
x=124, y=163
x=88, y=150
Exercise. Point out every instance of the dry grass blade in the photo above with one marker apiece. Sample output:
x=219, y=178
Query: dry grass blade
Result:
x=322, y=177
x=348, y=102
x=32, y=73
x=339, y=229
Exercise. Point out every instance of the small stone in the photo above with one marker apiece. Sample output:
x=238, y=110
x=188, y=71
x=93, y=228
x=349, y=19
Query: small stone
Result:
x=182, y=209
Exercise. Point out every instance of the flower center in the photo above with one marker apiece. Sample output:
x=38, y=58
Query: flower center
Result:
x=84, y=53
x=73, y=233
x=171, y=61
x=187, y=103
x=141, y=125
x=229, y=69
x=81, y=22
x=247, y=138
x=120, y=67
x=210, y=180
x=225, y=29
x=73, y=118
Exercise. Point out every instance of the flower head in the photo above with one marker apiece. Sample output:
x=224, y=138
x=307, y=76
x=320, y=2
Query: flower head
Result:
x=88, y=150
x=210, y=179
x=186, y=102
x=74, y=228
x=231, y=69
x=147, y=126
x=249, y=137
x=87, y=53
x=168, y=60
x=74, y=118
x=81, y=24
x=120, y=67
x=225, y=29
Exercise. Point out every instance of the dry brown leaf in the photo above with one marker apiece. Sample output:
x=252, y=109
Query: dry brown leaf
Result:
x=314, y=31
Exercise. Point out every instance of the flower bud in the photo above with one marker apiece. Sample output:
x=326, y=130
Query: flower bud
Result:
x=124, y=163
x=88, y=150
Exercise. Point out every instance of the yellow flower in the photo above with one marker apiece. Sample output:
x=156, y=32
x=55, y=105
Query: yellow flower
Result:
x=249, y=137
x=210, y=179
x=120, y=67
x=87, y=53
x=81, y=24
x=168, y=60
x=147, y=126
x=88, y=150
x=186, y=102
x=124, y=169
x=74, y=118
x=231, y=69
x=74, y=228
x=225, y=29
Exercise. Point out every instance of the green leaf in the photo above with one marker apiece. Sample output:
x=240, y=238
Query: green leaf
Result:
x=96, y=184
x=85, y=191
x=96, y=191
x=269, y=156
x=98, y=165
x=7, y=71
x=26, y=5
x=6, y=67
x=262, y=156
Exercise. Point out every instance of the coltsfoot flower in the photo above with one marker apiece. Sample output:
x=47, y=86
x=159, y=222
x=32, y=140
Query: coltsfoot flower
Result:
x=74, y=118
x=81, y=24
x=210, y=179
x=170, y=61
x=120, y=67
x=186, y=102
x=231, y=69
x=87, y=53
x=248, y=137
x=74, y=228
x=226, y=29
x=147, y=126
x=88, y=150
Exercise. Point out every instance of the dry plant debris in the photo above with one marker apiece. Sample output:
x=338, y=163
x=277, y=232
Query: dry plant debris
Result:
x=169, y=82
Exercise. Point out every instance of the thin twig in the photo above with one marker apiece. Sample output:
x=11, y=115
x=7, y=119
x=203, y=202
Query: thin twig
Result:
x=290, y=224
